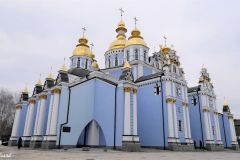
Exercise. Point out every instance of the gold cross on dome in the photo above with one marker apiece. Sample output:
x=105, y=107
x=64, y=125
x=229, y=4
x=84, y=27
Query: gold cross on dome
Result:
x=84, y=30
x=135, y=21
x=121, y=11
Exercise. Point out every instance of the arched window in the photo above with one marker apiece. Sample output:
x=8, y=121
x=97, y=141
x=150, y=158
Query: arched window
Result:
x=116, y=61
x=78, y=63
x=127, y=55
x=136, y=53
x=174, y=69
x=86, y=63
x=109, y=62
x=145, y=55
x=157, y=65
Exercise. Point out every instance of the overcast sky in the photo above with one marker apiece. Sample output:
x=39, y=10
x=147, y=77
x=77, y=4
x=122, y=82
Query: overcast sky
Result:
x=38, y=34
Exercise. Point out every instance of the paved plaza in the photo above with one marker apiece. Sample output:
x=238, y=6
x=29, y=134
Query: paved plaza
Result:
x=99, y=154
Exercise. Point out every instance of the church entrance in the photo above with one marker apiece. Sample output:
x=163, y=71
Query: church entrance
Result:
x=92, y=136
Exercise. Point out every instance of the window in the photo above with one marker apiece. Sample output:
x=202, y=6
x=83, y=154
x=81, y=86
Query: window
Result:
x=174, y=69
x=145, y=55
x=86, y=63
x=136, y=54
x=194, y=101
x=157, y=65
x=157, y=89
x=127, y=55
x=116, y=61
x=78, y=63
x=109, y=62
x=179, y=125
x=178, y=91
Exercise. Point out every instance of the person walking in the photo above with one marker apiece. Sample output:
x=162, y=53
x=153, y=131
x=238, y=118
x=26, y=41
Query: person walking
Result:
x=19, y=142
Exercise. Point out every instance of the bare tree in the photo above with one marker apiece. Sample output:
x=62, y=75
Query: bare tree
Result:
x=7, y=110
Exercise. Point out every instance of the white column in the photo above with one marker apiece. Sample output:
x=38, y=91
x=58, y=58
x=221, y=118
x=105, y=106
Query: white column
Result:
x=41, y=115
x=175, y=119
x=127, y=128
x=206, y=124
x=93, y=134
x=185, y=121
x=16, y=122
x=188, y=121
x=169, y=100
x=210, y=126
x=184, y=112
x=232, y=128
x=174, y=110
x=135, y=112
x=50, y=114
x=37, y=117
x=170, y=120
x=217, y=127
x=53, y=124
x=30, y=119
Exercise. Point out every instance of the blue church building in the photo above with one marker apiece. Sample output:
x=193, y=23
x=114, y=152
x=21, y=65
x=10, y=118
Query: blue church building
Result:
x=136, y=101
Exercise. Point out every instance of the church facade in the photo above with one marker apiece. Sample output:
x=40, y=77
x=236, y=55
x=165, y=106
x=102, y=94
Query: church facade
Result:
x=136, y=101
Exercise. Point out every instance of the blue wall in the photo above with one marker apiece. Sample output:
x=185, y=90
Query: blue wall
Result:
x=225, y=130
x=91, y=100
x=23, y=114
x=147, y=71
x=150, y=126
x=195, y=122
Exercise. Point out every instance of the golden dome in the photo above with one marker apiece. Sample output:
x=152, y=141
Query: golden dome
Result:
x=64, y=68
x=91, y=55
x=165, y=49
x=135, y=38
x=121, y=26
x=39, y=82
x=95, y=64
x=225, y=103
x=25, y=89
x=120, y=42
x=126, y=65
x=82, y=49
x=50, y=76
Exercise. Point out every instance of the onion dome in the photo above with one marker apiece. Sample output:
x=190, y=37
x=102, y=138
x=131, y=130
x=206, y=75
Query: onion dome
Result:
x=136, y=38
x=25, y=90
x=95, y=65
x=120, y=42
x=50, y=76
x=126, y=65
x=39, y=83
x=24, y=95
x=225, y=106
x=165, y=49
x=225, y=103
x=63, y=68
x=82, y=49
